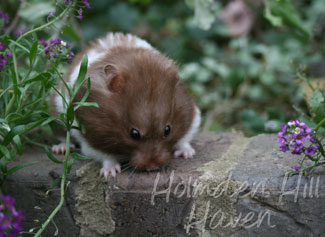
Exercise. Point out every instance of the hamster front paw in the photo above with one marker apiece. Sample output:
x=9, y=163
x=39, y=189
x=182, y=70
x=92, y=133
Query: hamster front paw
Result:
x=60, y=148
x=185, y=150
x=110, y=167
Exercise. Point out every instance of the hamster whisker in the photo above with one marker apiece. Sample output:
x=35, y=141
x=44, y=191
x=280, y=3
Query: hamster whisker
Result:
x=130, y=176
x=126, y=168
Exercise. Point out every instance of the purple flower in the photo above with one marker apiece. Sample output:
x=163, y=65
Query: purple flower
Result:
x=52, y=13
x=285, y=147
x=310, y=150
x=67, y=2
x=8, y=201
x=4, y=56
x=55, y=41
x=4, y=221
x=5, y=17
x=43, y=42
x=80, y=13
x=86, y=3
x=10, y=219
x=2, y=45
x=297, y=168
x=294, y=135
x=70, y=56
x=9, y=55
x=55, y=48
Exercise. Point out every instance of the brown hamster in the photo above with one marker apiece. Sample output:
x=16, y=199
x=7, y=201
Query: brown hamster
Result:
x=144, y=110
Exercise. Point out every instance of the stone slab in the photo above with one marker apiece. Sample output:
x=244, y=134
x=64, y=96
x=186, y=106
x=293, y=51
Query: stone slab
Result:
x=234, y=186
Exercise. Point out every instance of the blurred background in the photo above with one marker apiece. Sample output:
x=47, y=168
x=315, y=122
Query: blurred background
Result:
x=239, y=59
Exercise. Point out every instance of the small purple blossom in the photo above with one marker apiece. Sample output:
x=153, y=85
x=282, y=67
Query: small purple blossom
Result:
x=86, y=3
x=297, y=168
x=55, y=48
x=67, y=2
x=70, y=56
x=52, y=13
x=311, y=150
x=43, y=42
x=5, y=17
x=80, y=11
x=4, y=56
x=10, y=218
x=2, y=45
x=297, y=137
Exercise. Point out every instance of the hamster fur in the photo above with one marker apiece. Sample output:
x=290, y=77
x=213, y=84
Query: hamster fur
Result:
x=144, y=110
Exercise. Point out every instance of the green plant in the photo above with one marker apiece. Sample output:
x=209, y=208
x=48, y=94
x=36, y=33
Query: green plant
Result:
x=26, y=82
x=298, y=137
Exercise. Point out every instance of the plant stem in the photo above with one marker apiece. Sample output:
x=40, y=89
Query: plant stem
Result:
x=11, y=102
x=319, y=125
x=46, y=25
x=306, y=80
x=64, y=174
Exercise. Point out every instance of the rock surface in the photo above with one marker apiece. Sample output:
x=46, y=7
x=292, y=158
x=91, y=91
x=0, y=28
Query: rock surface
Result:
x=234, y=186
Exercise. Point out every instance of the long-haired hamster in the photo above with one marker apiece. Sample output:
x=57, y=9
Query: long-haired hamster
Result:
x=144, y=113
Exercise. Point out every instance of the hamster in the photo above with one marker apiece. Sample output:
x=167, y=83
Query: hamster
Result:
x=145, y=114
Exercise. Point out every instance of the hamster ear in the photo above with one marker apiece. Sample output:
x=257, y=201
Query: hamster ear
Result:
x=115, y=82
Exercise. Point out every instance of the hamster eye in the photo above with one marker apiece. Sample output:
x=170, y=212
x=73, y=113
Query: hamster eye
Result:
x=135, y=134
x=167, y=131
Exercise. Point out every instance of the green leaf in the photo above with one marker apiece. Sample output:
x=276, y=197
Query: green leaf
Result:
x=52, y=157
x=84, y=98
x=49, y=120
x=79, y=157
x=4, y=125
x=20, y=166
x=281, y=12
x=13, y=154
x=85, y=104
x=17, y=141
x=33, y=52
x=71, y=161
x=15, y=82
x=81, y=75
x=37, y=101
x=274, y=20
x=316, y=99
x=205, y=12
x=40, y=77
x=70, y=113
x=33, y=125
x=19, y=45
x=16, y=130
x=56, y=182
x=5, y=151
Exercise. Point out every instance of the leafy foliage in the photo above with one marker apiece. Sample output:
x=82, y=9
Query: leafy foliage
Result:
x=226, y=74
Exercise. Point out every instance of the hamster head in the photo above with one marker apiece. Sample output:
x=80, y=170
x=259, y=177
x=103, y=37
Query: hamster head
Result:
x=143, y=111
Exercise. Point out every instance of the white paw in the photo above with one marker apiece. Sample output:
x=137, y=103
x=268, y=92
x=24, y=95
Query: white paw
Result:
x=110, y=168
x=60, y=148
x=185, y=151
